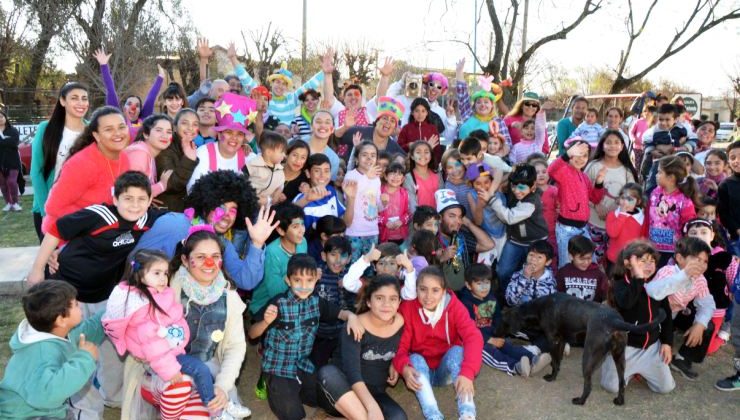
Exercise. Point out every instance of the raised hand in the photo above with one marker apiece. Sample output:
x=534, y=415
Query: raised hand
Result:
x=231, y=52
x=372, y=255
x=262, y=228
x=387, y=68
x=601, y=175
x=327, y=61
x=101, y=56
x=350, y=189
x=204, y=52
x=357, y=137
x=433, y=141
x=87, y=346
x=460, y=70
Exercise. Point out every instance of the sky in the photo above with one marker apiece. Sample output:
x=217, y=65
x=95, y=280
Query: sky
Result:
x=408, y=29
x=418, y=31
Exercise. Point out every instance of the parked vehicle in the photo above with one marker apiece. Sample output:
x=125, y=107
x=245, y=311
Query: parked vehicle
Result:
x=724, y=134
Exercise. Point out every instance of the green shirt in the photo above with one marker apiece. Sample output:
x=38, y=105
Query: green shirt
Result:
x=276, y=267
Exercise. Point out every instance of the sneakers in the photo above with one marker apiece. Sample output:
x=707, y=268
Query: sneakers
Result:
x=523, y=368
x=237, y=410
x=260, y=390
x=724, y=332
x=224, y=416
x=16, y=207
x=7, y=207
x=566, y=350
x=532, y=349
x=683, y=367
x=540, y=362
x=731, y=383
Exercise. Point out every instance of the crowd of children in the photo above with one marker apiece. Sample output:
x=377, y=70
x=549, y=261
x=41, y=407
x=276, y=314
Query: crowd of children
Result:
x=351, y=279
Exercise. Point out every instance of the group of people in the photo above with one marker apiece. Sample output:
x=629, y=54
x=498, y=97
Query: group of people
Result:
x=356, y=241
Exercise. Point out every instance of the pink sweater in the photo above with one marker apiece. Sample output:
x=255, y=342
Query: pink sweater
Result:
x=398, y=206
x=666, y=216
x=574, y=191
x=87, y=178
x=140, y=159
x=146, y=333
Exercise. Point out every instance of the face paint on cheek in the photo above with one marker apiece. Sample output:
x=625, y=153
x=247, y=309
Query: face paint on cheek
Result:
x=482, y=289
x=298, y=289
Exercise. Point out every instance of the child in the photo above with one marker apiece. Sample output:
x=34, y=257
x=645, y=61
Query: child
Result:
x=144, y=318
x=454, y=171
x=665, y=138
x=522, y=213
x=533, y=137
x=321, y=199
x=333, y=266
x=715, y=165
x=363, y=199
x=393, y=220
x=478, y=298
x=708, y=209
x=575, y=190
x=99, y=238
x=535, y=279
x=265, y=171
x=481, y=178
x=581, y=277
x=384, y=159
x=419, y=127
x=339, y=181
x=682, y=284
x=550, y=204
x=422, y=180
x=728, y=196
x=388, y=259
x=425, y=218
x=440, y=345
x=289, y=323
x=326, y=227
x=472, y=150
x=626, y=223
x=291, y=241
x=671, y=206
x=54, y=354
x=647, y=354
x=589, y=130
x=423, y=249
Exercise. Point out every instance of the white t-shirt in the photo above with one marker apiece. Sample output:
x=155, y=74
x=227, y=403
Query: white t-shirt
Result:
x=68, y=139
x=204, y=165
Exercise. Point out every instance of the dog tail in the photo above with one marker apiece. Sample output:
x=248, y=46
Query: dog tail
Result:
x=640, y=328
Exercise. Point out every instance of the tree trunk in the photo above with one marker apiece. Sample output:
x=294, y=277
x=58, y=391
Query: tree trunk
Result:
x=38, y=55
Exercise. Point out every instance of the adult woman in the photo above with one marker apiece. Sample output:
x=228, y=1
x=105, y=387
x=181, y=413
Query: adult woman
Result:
x=95, y=163
x=213, y=311
x=295, y=159
x=614, y=119
x=638, y=129
x=611, y=153
x=174, y=99
x=10, y=163
x=154, y=137
x=301, y=125
x=322, y=128
x=381, y=133
x=354, y=114
x=179, y=158
x=355, y=383
x=526, y=108
x=50, y=147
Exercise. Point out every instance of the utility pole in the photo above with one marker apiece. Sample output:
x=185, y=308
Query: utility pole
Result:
x=303, y=43
x=475, y=34
x=524, y=40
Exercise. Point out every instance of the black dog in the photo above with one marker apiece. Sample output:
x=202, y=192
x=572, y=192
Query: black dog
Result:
x=561, y=315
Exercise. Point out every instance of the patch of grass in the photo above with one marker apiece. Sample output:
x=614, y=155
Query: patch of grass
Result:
x=11, y=314
x=18, y=227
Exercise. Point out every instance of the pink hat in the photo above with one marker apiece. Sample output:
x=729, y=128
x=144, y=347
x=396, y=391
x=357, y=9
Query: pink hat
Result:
x=234, y=112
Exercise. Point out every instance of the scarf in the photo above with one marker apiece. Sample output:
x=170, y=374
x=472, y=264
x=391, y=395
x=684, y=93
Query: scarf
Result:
x=202, y=295
x=485, y=118
x=306, y=116
x=432, y=317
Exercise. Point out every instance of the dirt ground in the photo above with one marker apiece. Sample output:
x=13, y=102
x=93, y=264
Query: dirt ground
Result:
x=499, y=396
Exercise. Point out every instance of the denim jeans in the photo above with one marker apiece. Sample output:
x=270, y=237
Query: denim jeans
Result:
x=445, y=374
x=563, y=233
x=511, y=259
x=361, y=245
x=196, y=369
x=734, y=247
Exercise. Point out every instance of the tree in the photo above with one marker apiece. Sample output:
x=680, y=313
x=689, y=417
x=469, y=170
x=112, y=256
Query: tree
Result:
x=12, y=39
x=504, y=62
x=361, y=62
x=131, y=30
x=51, y=17
x=265, y=43
x=704, y=16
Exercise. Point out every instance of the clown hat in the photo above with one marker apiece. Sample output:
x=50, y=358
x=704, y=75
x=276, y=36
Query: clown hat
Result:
x=282, y=73
x=488, y=89
x=390, y=106
x=234, y=112
x=261, y=91
x=436, y=77
x=446, y=199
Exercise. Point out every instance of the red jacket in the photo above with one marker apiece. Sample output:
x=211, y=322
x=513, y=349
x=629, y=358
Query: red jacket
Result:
x=414, y=131
x=86, y=178
x=455, y=328
x=622, y=229
x=574, y=190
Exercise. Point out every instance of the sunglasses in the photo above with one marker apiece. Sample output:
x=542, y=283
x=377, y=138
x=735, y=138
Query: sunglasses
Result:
x=531, y=104
x=434, y=85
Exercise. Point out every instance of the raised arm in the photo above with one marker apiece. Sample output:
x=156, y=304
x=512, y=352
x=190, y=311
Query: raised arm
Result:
x=111, y=98
x=461, y=89
x=147, y=108
x=327, y=91
x=204, y=54
x=385, y=77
